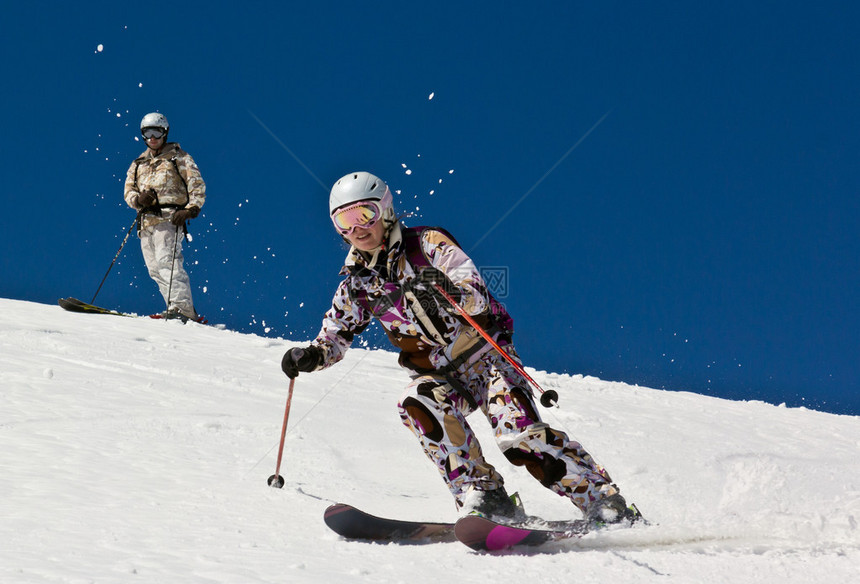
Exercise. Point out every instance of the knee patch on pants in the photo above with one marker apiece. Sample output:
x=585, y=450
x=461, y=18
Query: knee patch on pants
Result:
x=545, y=468
x=422, y=419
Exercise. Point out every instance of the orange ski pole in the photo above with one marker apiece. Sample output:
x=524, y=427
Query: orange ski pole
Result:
x=548, y=398
x=277, y=480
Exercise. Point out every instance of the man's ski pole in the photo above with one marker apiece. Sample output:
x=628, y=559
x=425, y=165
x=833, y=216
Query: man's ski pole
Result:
x=277, y=480
x=548, y=398
x=172, y=265
x=119, y=251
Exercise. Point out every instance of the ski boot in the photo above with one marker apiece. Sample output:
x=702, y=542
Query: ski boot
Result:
x=495, y=504
x=612, y=510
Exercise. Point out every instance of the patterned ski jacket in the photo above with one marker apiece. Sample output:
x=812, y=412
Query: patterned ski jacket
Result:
x=173, y=175
x=418, y=320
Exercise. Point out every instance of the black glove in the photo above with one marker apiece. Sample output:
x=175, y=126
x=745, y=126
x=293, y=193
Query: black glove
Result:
x=183, y=215
x=147, y=198
x=296, y=359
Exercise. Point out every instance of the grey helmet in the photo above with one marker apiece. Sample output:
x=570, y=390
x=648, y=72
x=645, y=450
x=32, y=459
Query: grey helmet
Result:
x=358, y=186
x=154, y=120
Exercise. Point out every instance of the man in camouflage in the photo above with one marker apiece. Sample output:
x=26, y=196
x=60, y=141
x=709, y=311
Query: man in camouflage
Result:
x=164, y=185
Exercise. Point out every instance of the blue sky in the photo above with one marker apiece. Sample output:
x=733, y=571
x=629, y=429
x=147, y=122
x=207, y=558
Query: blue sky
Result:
x=671, y=189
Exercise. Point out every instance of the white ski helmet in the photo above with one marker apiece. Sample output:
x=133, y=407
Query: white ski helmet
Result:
x=154, y=120
x=358, y=186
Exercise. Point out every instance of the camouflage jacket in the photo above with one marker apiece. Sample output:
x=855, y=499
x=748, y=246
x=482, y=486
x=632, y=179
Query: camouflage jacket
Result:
x=417, y=319
x=173, y=175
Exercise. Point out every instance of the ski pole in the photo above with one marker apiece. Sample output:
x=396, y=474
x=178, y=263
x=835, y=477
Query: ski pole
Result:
x=119, y=251
x=548, y=398
x=276, y=480
x=172, y=264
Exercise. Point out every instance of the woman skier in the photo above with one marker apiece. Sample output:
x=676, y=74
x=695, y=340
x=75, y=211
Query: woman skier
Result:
x=391, y=274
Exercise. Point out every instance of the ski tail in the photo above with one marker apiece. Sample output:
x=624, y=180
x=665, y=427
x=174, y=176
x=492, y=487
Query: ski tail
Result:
x=75, y=305
x=352, y=523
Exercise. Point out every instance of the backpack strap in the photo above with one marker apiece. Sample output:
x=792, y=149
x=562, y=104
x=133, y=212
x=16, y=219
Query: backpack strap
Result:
x=137, y=162
x=418, y=259
x=182, y=178
x=412, y=244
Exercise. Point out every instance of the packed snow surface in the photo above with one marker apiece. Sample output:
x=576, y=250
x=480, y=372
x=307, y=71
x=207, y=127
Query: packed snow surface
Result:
x=135, y=450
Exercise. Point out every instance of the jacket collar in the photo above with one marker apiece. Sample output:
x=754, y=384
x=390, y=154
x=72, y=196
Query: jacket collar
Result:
x=378, y=260
x=169, y=149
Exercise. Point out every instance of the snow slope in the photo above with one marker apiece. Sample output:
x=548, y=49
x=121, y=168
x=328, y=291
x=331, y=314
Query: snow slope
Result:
x=134, y=450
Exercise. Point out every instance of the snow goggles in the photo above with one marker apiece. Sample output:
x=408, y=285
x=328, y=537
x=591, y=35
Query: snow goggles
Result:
x=363, y=214
x=152, y=133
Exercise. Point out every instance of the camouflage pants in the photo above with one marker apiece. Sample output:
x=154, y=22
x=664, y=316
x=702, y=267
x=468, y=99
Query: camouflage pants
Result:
x=436, y=413
x=157, y=243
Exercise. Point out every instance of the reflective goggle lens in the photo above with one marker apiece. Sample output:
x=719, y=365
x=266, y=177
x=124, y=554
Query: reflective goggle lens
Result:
x=152, y=133
x=359, y=215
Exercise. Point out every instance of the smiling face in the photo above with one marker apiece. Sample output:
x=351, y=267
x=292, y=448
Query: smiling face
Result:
x=367, y=239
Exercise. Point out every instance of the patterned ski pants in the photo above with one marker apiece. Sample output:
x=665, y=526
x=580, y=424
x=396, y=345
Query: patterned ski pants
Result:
x=157, y=243
x=436, y=413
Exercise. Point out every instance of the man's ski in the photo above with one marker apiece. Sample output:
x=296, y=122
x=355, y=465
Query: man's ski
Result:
x=482, y=534
x=75, y=305
x=352, y=523
x=184, y=319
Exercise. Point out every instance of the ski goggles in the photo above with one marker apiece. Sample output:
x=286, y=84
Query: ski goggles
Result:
x=363, y=214
x=152, y=133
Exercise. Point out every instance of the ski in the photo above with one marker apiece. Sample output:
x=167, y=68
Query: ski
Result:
x=184, y=319
x=75, y=305
x=483, y=534
x=352, y=523
x=475, y=531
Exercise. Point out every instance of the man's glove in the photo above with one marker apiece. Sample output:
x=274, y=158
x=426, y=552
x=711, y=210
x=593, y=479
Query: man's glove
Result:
x=296, y=359
x=183, y=215
x=147, y=198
